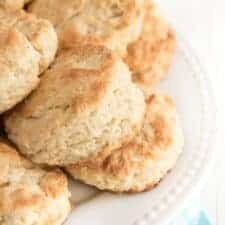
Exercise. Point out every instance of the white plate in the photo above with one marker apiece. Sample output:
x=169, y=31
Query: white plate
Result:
x=188, y=86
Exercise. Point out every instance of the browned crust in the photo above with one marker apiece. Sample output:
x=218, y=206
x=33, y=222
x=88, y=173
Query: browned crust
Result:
x=118, y=162
x=151, y=55
x=148, y=187
x=119, y=17
x=159, y=62
x=71, y=35
x=155, y=138
x=97, y=79
x=53, y=183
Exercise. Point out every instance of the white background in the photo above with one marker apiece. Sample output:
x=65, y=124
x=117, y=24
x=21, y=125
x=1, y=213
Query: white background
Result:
x=202, y=23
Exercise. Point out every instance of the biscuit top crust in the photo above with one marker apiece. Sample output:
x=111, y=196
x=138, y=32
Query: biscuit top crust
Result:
x=16, y=53
x=113, y=23
x=19, y=64
x=10, y=37
x=156, y=137
x=39, y=32
x=56, y=11
x=156, y=34
x=96, y=16
x=25, y=186
x=78, y=79
x=85, y=102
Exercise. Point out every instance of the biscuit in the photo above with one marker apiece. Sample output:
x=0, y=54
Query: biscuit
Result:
x=150, y=57
x=39, y=32
x=30, y=195
x=85, y=103
x=19, y=67
x=13, y=5
x=142, y=163
x=27, y=47
x=106, y=22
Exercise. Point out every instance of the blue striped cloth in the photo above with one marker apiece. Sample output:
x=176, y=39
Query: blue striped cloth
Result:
x=192, y=215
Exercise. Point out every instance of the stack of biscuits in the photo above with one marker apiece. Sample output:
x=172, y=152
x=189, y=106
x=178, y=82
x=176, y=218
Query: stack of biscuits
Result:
x=78, y=93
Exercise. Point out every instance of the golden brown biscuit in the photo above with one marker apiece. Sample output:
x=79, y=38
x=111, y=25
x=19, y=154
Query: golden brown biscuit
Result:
x=150, y=57
x=30, y=195
x=142, y=163
x=85, y=103
x=39, y=32
x=109, y=22
x=27, y=47
x=19, y=64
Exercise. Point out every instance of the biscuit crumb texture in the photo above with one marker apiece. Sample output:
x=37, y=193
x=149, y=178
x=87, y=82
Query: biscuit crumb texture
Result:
x=84, y=104
x=109, y=22
x=150, y=57
x=30, y=195
x=142, y=163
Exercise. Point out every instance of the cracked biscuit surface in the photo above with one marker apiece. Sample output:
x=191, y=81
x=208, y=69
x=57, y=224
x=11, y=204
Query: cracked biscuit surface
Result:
x=28, y=194
x=109, y=22
x=27, y=47
x=144, y=161
x=150, y=57
x=85, y=103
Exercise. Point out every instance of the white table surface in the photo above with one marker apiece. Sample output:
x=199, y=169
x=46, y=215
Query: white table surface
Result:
x=202, y=23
